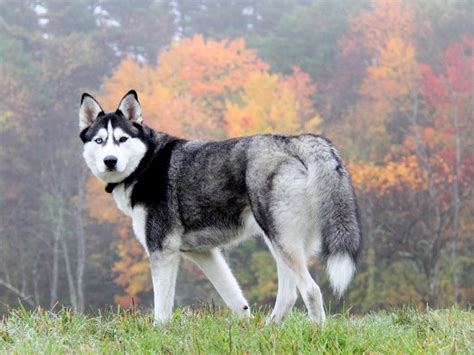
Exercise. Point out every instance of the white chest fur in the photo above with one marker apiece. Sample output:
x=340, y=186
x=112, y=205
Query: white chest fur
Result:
x=122, y=199
x=138, y=213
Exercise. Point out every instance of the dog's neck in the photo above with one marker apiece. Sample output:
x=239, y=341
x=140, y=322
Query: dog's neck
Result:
x=109, y=188
x=142, y=166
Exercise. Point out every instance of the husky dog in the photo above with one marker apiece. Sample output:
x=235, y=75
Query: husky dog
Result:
x=190, y=198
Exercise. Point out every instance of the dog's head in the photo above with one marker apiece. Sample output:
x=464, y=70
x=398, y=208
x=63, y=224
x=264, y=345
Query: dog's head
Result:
x=113, y=142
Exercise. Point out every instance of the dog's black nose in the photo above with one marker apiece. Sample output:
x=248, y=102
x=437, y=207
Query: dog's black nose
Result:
x=110, y=161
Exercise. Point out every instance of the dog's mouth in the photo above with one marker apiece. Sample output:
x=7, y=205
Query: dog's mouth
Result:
x=111, y=172
x=111, y=176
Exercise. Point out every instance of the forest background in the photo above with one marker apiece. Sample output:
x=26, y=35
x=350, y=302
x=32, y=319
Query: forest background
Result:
x=390, y=82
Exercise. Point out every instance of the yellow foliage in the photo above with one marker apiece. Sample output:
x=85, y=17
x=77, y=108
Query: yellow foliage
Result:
x=208, y=68
x=382, y=179
x=154, y=96
x=393, y=77
x=269, y=103
x=214, y=89
x=268, y=106
x=386, y=91
x=383, y=36
x=389, y=83
x=384, y=20
x=132, y=268
x=185, y=94
x=313, y=124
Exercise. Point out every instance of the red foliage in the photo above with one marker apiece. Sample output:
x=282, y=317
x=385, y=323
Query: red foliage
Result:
x=455, y=77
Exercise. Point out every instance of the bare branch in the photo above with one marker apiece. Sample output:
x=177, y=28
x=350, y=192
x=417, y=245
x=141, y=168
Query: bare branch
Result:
x=16, y=291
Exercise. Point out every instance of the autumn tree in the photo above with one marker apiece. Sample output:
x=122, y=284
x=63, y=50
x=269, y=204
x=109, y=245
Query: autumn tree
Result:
x=44, y=64
x=185, y=94
x=395, y=119
x=272, y=104
x=308, y=35
x=382, y=21
x=451, y=94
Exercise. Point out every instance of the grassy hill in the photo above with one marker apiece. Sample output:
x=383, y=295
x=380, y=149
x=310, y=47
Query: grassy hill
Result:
x=204, y=332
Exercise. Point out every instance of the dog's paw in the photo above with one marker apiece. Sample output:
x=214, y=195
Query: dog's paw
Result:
x=269, y=320
x=158, y=322
x=319, y=318
x=244, y=312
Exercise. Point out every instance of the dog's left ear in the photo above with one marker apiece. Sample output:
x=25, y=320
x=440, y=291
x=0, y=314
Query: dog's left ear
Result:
x=89, y=111
x=130, y=107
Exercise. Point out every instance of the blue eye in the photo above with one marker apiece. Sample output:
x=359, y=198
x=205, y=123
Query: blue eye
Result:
x=99, y=140
x=123, y=139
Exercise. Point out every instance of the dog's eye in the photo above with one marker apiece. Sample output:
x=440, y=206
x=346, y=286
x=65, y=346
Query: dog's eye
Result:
x=123, y=139
x=99, y=140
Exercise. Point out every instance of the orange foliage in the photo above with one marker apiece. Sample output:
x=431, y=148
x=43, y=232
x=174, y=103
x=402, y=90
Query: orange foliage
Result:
x=384, y=20
x=153, y=95
x=185, y=94
x=268, y=106
x=272, y=104
x=388, y=85
x=390, y=78
x=132, y=268
x=383, y=33
x=301, y=85
x=393, y=175
x=208, y=68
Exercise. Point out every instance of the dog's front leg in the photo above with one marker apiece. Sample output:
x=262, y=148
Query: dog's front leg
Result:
x=164, y=270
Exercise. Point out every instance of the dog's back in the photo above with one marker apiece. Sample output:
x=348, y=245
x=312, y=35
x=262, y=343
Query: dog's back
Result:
x=295, y=186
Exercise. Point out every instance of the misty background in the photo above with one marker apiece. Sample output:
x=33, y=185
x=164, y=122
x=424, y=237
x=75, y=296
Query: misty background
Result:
x=390, y=82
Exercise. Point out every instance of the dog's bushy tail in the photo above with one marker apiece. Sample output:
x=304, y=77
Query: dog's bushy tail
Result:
x=338, y=219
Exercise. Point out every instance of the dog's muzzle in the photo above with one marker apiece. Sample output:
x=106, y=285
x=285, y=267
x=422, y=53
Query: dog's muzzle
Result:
x=110, y=162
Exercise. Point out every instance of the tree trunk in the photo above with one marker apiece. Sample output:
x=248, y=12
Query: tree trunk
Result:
x=34, y=275
x=370, y=258
x=423, y=158
x=81, y=246
x=70, y=277
x=456, y=200
x=433, y=285
x=55, y=272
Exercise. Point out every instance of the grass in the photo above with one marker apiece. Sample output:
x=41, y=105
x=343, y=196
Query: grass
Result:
x=205, y=332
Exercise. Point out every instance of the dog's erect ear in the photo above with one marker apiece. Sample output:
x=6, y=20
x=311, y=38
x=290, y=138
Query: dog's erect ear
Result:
x=130, y=107
x=89, y=111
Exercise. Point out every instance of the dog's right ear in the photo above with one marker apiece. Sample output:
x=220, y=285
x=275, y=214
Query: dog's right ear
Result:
x=89, y=111
x=130, y=107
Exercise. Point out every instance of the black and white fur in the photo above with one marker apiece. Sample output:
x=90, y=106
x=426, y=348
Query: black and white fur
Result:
x=190, y=198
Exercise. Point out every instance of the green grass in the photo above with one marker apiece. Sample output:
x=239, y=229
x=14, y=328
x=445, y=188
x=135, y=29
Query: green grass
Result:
x=205, y=332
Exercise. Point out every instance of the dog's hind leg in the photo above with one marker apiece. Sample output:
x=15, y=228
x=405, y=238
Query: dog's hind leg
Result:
x=214, y=266
x=294, y=258
x=164, y=270
x=291, y=230
x=286, y=296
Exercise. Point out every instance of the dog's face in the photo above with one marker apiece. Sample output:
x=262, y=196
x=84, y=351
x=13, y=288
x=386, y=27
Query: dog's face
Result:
x=113, y=142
